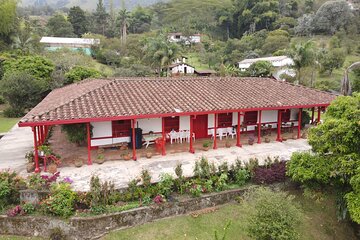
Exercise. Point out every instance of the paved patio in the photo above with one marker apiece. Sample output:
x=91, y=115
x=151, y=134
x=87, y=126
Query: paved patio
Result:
x=121, y=172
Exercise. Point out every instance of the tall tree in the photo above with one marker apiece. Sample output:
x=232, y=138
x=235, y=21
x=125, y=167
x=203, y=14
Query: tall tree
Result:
x=78, y=20
x=100, y=18
x=58, y=26
x=7, y=21
x=123, y=19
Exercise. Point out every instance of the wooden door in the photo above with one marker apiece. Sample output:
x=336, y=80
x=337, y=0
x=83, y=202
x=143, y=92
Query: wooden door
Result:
x=201, y=126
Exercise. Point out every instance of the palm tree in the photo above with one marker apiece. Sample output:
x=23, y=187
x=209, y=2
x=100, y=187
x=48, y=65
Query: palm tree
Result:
x=160, y=52
x=303, y=55
x=345, y=83
x=123, y=19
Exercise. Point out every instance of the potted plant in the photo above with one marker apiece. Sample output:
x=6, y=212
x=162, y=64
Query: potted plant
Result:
x=52, y=168
x=78, y=162
x=100, y=150
x=30, y=166
x=148, y=154
x=126, y=156
x=44, y=150
x=294, y=136
x=304, y=135
x=267, y=139
x=100, y=159
x=227, y=144
x=206, y=145
x=251, y=140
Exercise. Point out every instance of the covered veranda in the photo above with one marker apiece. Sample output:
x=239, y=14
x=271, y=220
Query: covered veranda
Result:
x=104, y=95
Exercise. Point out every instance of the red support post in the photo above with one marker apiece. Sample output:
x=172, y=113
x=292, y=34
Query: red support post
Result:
x=163, y=136
x=259, y=127
x=312, y=115
x=299, y=123
x=88, y=143
x=238, y=143
x=191, y=134
x=278, y=138
x=36, y=152
x=215, y=129
x=319, y=115
x=134, y=139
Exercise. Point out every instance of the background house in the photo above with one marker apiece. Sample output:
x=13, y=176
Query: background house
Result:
x=179, y=37
x=84, y=44
x=281, y=64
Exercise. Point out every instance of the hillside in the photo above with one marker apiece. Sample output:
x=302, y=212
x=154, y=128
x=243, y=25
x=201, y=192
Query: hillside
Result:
x=86, y=4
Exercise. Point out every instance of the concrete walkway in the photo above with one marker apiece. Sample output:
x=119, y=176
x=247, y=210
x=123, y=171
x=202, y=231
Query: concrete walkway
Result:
x=13, y=147
x=121, y=172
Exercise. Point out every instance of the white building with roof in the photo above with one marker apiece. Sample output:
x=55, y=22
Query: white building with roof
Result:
x=282, y=65
x=54, y=43
x=179, y=37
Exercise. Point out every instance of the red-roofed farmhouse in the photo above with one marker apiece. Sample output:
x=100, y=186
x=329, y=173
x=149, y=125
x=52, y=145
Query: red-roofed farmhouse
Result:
x=141, y=110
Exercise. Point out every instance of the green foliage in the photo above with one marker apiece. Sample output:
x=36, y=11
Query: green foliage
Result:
x=274, y=216
x=166, y=184
x=353, y=205
x=38, y=66
x=202, y=169
x=241, y=176
x=61, y=200
x=8, y=16
x=58, y=26
x=78, y=20
x=101, y=194
x=276, y=40
x=259, y=69
x=10, y=184
x=309, y=169
x=226, y=228
x=305, y=118
x=221, y=182
x=79, y=73
x=75, y=133
x=28, y=208
x=332, y=59
x=21, y=90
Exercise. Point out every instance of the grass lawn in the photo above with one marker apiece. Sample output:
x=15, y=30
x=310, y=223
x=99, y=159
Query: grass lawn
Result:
x=7, y=123
x=194, y=60
x=319, y=222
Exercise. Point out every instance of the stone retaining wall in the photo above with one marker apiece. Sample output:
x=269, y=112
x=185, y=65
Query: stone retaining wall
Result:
x=95, y=227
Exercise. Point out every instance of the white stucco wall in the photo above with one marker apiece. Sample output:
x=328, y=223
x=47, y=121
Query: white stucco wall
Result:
x=184, y=123
x=181, y=69
x=101, y=129
x=150, y=124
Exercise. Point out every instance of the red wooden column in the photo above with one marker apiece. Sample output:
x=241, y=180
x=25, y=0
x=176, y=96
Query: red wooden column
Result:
x=312, y=115
x=134, y=139
x=238, y=143
x=191, y=134
x=259, y=127
x=319, y=115
x=299, y=123
x=163, y=151
x=88, y=143
x=215, y=129
x=279, y=127
x=36, y=153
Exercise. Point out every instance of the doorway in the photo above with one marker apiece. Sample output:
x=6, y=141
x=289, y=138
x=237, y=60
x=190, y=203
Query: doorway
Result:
x=201, y=126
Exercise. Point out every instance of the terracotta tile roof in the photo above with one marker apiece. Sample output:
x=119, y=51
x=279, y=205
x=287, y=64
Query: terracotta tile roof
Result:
x=106, y=98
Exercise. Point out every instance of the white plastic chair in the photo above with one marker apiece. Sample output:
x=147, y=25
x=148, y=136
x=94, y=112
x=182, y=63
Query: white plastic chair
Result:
x=187, y=133
x=212, y=133
x=221, y=132
x=182, y=136
x=230, y=132
x=173, y=136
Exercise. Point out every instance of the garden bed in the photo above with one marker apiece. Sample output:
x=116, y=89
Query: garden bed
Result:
x=96, y=226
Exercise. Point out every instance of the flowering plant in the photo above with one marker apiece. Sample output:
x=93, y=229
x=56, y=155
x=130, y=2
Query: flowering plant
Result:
x=15, y=211
x=159, y=199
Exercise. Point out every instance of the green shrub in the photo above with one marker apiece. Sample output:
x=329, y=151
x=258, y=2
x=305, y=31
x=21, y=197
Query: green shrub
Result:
x=75, y=133
x=61, y=200
x=242, y=175
x=79, y=73
x=101, y=194
x=202, y=169
x=166, y=184
x=10, y=184
x=272, y=215
x=220, y=183
x=28, y=208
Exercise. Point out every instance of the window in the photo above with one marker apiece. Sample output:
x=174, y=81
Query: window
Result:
x=121, y=128
x=172, y=123
x=224, y=120
x=285, y=116
x=250, y=118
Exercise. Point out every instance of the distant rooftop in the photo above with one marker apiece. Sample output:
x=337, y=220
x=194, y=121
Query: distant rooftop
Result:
x=59, y=40
x=270, y=59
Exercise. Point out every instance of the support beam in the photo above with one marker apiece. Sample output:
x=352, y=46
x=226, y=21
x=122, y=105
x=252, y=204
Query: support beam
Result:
x=278, y=138
x=191, y=134
x=215, y=129
x=299, y=123
x=88, y=142
x=134, y=139
x=312, y=115
x=36, y=152
x=163, y=150
x=259, y=127
x=238, y=143
x=319, y=115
